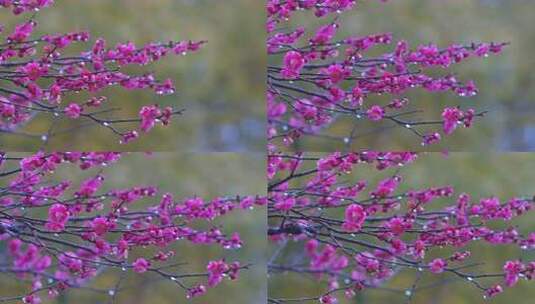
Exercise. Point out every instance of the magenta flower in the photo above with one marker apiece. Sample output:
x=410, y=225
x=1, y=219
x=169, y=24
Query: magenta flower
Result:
x=22, y=32
x=376, y=113
x=398, y=226
x=31, y=299
x=430, y=139
x=386, y=187
x=129, y=136
x=34, y=70
x=141, y=265
x=324, y=34
x=285, y=204
x=90, y=186
x=293, y=63
x=512, y=272
x=101, y=225
x=451, y=117
x=196, y=291
x=493, y=291
x=148, y=115
x=216, y=270
x=58, y=215
x=336, y=73
x=73, y=110
x=437, y=265
x=327, y=299
x=354, y=218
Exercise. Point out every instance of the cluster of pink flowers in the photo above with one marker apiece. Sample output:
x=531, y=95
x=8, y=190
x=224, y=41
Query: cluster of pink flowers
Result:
x=321, y=78
x=217, y=270
x=454, y=116
x=325, y=258
x=513, y=270
x=355, y=216
x=58, y=215
x=141, y=265
x=149, y=115
x=437, y=265
x=282, y=10
x=21, y=6
x=29, y=59
x=384, y=228
x=103, y=226
x=293, y=63
x=28, y=257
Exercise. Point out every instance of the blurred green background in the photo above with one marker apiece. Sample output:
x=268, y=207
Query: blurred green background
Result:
x=184, y=175
x=506, y=81
x=481, y=175
x=222, y=86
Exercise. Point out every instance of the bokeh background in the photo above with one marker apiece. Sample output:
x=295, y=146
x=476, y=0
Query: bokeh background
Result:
x=478, y=174
x=506, y=81
x=221, y=87
x=184, y=175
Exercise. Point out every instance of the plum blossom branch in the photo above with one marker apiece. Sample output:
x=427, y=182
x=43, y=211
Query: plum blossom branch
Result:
x=354, y=236
x=60, y=236
x=316, y=79
x=39, y=76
